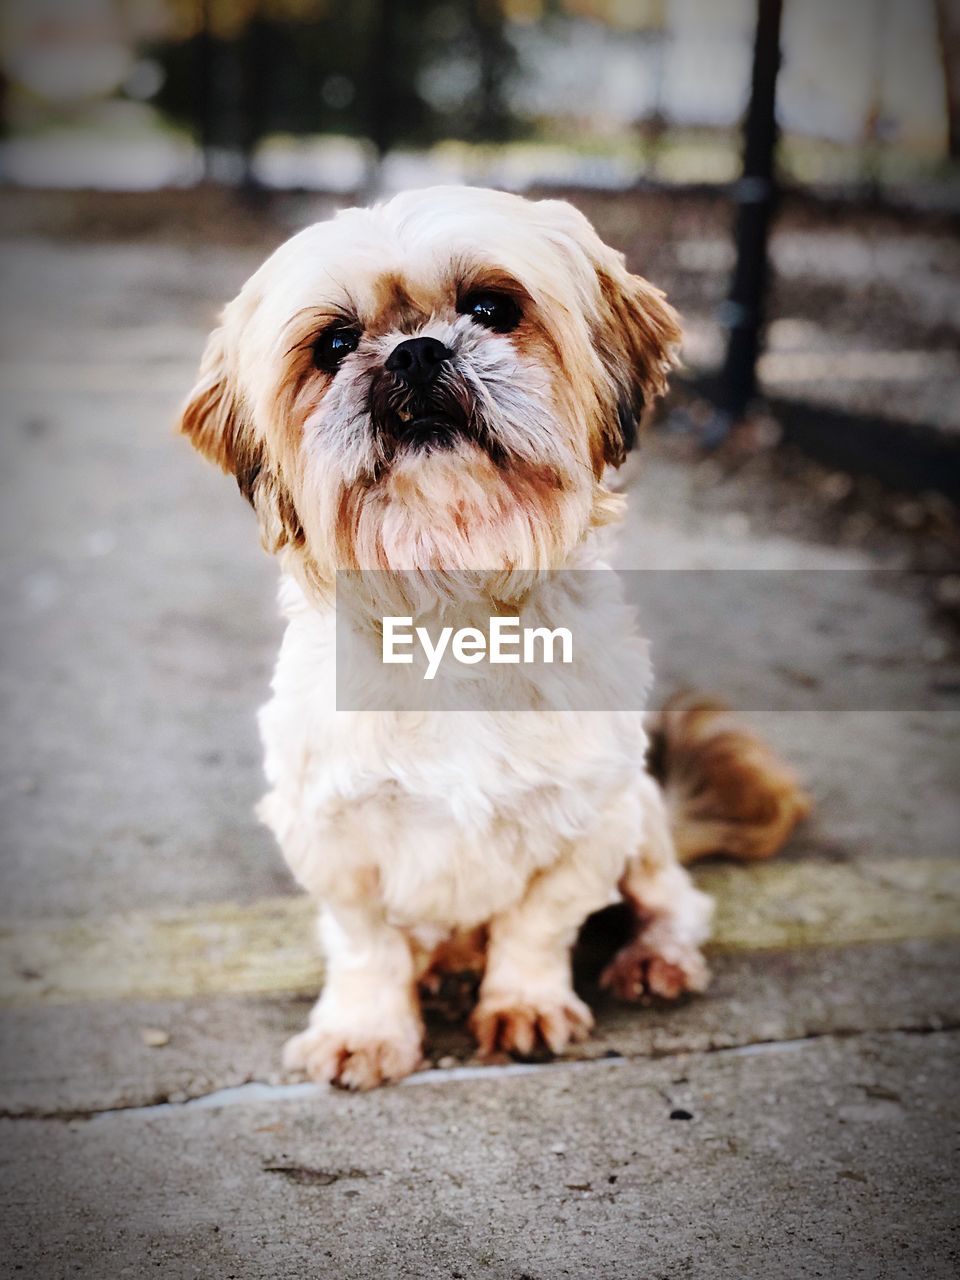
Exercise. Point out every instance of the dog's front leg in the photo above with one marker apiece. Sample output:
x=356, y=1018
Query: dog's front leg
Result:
x=527, y=1001
x=366, y=1027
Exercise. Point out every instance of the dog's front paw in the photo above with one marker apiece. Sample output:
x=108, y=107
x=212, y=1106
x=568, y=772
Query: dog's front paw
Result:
x=641, y=970
x=354, y=1059
x=524, y=1025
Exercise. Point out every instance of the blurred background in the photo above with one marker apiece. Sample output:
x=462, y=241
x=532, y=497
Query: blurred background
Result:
x=240, y=114
x=122, y=94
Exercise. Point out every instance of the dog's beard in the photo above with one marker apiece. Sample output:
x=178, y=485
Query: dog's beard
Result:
x=477, y=471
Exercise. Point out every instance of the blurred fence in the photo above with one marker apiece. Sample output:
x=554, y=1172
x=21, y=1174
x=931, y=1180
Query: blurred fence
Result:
x=720, y=102
x=593, y=93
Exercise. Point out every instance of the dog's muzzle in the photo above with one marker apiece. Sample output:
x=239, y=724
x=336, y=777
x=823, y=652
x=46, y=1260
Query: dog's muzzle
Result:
x=419, y=401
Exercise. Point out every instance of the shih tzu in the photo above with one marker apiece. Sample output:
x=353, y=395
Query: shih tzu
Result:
x=428, y=393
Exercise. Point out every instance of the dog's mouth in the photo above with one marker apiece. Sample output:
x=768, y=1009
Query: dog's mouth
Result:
x=428, y=429
x=412, y=422
x=445, y=416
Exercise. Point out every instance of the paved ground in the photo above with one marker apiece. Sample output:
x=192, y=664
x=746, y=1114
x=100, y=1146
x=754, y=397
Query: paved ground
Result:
x=153, y=957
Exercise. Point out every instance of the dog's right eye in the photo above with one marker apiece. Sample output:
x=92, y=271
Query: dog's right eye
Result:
x=496, y=311
x=332, y=348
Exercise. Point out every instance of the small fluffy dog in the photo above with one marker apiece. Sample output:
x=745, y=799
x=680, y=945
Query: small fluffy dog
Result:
x=435, y=386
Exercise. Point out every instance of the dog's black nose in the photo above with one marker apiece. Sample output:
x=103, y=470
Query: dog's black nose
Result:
x=417, y=360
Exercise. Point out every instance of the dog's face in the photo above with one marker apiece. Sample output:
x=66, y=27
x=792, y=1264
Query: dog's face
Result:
x=434, y=383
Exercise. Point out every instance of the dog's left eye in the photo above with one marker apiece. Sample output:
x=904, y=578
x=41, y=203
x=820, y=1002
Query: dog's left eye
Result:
x=496, y=311
x=333, y=347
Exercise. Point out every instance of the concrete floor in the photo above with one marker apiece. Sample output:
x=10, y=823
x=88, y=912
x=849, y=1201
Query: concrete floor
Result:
x=819, y=1076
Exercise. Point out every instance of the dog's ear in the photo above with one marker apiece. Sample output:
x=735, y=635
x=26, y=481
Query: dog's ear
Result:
x=217, y=422
x=212, y=417
x=636, y=333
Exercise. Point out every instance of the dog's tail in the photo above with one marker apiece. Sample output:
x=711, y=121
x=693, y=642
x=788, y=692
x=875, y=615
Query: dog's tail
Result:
x=726, y=789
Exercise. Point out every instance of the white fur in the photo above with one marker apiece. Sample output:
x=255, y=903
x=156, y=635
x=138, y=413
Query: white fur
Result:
x=408, y=827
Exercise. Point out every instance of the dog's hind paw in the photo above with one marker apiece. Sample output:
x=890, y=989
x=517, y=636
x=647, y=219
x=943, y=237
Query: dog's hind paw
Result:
x=640, y=971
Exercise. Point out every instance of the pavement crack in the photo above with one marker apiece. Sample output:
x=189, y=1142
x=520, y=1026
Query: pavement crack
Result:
x=305, y=1176
x=262, y=1091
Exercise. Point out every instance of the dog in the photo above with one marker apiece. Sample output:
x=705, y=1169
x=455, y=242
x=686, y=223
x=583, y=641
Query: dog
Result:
x=431, y=391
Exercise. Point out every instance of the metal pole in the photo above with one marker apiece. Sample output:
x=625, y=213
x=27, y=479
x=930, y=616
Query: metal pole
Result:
x=380, y=121
x=755, y=195
x=206, y=90
x=253, y=96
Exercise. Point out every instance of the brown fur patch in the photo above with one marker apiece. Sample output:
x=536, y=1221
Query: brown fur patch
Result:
x=639, y=972
x=212, y=417
x=480, y=277
x=637, y=336
x=394, y=307
x=215, y=421
x=462, y=952
x=726, y=789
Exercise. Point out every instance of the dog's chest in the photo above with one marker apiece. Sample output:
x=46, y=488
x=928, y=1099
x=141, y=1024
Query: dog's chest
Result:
x=439, y=864
x=454, y=814
x=451, y=813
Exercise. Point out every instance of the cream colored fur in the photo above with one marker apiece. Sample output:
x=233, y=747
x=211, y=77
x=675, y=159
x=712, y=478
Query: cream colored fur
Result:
x=409, y=827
